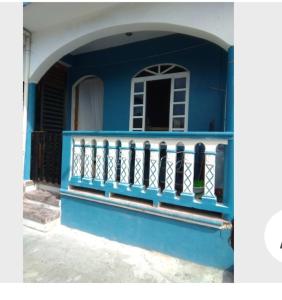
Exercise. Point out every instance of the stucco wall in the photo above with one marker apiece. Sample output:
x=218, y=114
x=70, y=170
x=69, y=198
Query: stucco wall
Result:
x=206, y=62
x=54, y=37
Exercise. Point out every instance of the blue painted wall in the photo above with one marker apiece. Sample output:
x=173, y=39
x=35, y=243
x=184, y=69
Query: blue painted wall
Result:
x=29, y=128
x=116, y=67
x=199, y=244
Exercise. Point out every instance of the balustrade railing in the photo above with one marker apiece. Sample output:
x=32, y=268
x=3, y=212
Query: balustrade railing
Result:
x=161, y=167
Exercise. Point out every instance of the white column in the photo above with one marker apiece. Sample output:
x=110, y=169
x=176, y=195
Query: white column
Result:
x=112, y=161
x=78, y=157
x=125, y=162
x=88, y=159
x=139, y=164
x=154, y=165
x=188, y=168
x=100, y=160
x=170, y=167
x=210, y=155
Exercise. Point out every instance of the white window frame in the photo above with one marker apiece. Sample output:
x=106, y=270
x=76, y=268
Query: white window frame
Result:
x=159, y=76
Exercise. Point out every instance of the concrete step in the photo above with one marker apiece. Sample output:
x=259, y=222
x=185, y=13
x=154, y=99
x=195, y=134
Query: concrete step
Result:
x=28, y=186
x=42, y=196
x=39, y=213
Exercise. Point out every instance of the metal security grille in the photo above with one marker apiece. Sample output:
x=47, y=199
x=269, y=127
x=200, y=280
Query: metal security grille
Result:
x=50, y=119
x=51, y=100
x=46, y=157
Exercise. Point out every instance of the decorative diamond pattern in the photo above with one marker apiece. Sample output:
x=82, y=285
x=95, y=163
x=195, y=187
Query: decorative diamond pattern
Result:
x=111, y=167
x=100, y=167
x=124, y=170
x=138, y=172
x=187, y=177
x=169, y=174
x=153, y=170
x=209, y=180
x=88, y=166
x=77, y=163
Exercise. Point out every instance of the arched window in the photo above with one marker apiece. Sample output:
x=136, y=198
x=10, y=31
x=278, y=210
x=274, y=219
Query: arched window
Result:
x=159, y=99
x=87, y=103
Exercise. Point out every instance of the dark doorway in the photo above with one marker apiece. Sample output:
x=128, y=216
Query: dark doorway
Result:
x=46, y=145
x=157, y=105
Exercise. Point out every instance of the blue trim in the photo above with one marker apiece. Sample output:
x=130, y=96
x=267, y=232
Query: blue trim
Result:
x=229, y=161
x=29, y=128
x=155, y=134
x=174, y=214
x=170, y=236
x=154, y=195
x=230, y=91
x=66, y=161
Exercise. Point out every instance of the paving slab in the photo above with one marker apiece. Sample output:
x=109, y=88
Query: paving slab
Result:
x=69, y=255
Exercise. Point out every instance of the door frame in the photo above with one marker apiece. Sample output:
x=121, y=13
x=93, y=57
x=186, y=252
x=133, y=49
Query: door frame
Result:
x=171, y=76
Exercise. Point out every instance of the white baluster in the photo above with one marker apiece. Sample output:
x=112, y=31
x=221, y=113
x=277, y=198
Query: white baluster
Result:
x=88, y=159
x=100, y=160
x=210, y=155
x=170, y=167
x=125, y=162
x=112, y=161
x=154, y=166
x=139, y=164
x=188, y=169
x=77, y=160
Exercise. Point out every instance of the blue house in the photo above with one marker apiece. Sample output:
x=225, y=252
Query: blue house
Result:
x=133, y=122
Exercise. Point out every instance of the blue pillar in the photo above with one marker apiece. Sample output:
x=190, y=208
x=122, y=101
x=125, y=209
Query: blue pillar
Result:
x=229, y=126
x=66, y=161
x=29, y=128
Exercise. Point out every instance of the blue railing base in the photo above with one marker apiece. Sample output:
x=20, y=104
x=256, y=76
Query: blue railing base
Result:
x=148, y=230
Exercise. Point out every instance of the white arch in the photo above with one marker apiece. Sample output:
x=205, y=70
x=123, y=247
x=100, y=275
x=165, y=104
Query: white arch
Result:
x=210, y=21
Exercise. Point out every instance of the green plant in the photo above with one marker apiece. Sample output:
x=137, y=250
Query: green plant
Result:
x=199, y=183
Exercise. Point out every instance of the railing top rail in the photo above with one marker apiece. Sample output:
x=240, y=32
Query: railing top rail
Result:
x=154, y=134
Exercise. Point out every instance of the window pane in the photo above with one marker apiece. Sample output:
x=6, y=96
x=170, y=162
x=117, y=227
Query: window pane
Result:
x=164, y=67
x=179, y=96
x=178, y=123
x=138, y=99
x=138, y=111
x=154, y=69
x=176, y=69
x=179, y=109
x=138, y=87
x=137, y=123
x=180, y=83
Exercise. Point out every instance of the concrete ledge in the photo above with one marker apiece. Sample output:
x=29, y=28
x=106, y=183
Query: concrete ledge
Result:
x=200, y=244
x=198, y=218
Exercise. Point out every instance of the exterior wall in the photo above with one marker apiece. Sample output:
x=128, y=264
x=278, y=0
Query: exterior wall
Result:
x=200, y=244
x=206, y=62
x=54, y=37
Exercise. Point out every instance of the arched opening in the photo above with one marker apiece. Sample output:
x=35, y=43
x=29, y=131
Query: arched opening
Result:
x=87, y=100
x=159, y=98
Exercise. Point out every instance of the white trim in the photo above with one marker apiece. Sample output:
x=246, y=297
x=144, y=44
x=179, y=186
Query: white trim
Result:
x=160, y=76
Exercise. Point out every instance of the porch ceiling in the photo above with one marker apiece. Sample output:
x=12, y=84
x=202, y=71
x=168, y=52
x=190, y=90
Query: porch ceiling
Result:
x=61, y=28
x=40, y=16
x=118, y=40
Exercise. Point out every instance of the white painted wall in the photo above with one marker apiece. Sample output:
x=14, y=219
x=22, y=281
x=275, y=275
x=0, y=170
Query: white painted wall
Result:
x=211, y=21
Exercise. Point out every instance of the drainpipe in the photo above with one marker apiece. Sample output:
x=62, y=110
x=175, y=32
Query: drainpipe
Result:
x=27, y=47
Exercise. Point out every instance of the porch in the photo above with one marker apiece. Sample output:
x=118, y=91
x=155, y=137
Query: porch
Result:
x=136, y=129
